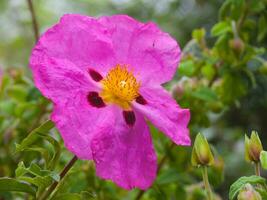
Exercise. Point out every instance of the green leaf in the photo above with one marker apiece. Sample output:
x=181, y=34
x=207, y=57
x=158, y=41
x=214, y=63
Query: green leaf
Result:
x=21, y=170
x=168, y=176
x=69, y=196
x=263, y=158
x=33, y=136
x=224, y=9
x=17, y=92
x=205, y=93
x=208, y=71
x=9, y=184
x=262, y=27
x=221, y=28
x=35, y=170
x=241, y=182
x=7, y=107
x=57, y=150
x=199, y=34
x=85, y=195
x=187, y=68
x=230, y=93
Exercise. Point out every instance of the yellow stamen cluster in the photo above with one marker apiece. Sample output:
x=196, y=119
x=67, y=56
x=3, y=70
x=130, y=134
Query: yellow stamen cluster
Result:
x=120, y=86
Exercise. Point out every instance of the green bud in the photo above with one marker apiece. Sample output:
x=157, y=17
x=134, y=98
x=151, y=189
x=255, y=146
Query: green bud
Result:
x=248, y=193
x=177, y=91
x=201, y=153
x=237, y=45
x=253, y=147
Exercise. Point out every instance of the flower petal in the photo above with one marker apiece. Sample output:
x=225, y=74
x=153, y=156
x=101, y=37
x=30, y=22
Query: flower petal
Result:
x=153, y=54
x=78, y=121
x=125, y=154
x=58, y=79
x=165, y=114
x=121, y=28
x=81, y=40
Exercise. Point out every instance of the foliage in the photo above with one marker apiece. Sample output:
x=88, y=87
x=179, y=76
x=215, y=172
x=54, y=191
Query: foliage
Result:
x=222, y=78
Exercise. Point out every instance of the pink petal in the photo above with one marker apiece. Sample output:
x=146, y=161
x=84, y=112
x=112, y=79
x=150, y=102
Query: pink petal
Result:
x=125, y=154
x=165, y=114
x=121, y=28
x=58, y=79
x=81, y=40
x=78, y=122
x=153, y=54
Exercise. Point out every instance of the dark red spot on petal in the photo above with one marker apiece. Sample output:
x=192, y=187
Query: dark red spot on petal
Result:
x=95, y=75
x=95, y=100
x=129, y=117
x=140, y=99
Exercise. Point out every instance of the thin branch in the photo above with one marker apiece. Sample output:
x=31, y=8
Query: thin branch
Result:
x=161, y=163
x=34, y=20
x=62, y=175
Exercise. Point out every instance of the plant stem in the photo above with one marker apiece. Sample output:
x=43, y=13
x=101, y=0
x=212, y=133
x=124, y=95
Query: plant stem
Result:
x=257, y=169
x=206, y=182
x=161, y=163
x=62, y=175
x=34, y=20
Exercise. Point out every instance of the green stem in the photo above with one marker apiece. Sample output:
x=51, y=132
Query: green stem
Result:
x=45, y=195
x=257, y=169
x=34, y=20
x=206, y=182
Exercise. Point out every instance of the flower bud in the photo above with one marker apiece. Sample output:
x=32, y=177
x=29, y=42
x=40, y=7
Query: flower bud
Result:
x=253, y=147
x=248, y=193
x=201, y=154
x=237, y=45
x=177, y=91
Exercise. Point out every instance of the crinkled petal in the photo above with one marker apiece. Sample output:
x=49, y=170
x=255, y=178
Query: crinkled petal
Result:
x=121, y=29
x=78, y=122
x=153, y=54
x=125, y=154
x=58, y=79
x=80, y=39
x=165, y=114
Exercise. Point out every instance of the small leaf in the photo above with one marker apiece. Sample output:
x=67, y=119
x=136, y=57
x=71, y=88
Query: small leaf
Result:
x=21, y=170
x=168, y=176
x=205, y=94
x=208, y=71
x=263, y=158
x=85, y=195
x=221, y=28
x=9, y=184
x=57, y=150
x=17, y=92
x=187, y=68
x=199, y=34
x=241, y=182
x=33, y=136
x=69, y=196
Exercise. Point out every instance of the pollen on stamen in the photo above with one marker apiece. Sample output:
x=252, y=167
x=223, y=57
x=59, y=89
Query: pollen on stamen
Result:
x=121, y=83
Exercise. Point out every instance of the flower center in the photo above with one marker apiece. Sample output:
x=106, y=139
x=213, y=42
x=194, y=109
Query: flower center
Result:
x=120, y=86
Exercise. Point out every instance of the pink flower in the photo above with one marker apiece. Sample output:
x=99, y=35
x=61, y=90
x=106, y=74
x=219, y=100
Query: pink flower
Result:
x=104, y=77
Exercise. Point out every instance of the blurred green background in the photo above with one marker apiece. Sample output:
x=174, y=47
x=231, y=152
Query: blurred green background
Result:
x=222, y=79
